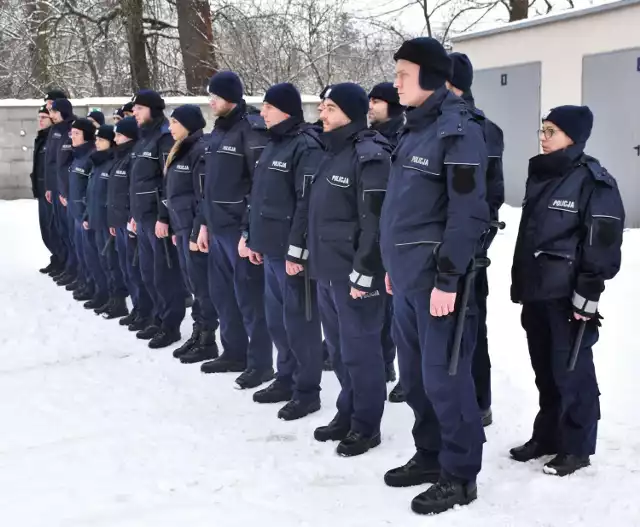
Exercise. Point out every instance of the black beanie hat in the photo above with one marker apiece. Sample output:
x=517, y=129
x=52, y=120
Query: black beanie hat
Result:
x=86, y=126
x=52, y=95
x=286, y=98
x=386, y=91
x=119, y=113
x=127, y=127
x=430, y=55
x=64, y=107
x=128, y=107
x=226, y=84
x=190, y=116
x=461, y=71
x=97, y=116
x=151, y=99
x=43, y=110
x=351, y=99
x=575, y=121
x=106, y=131
x=324, y=91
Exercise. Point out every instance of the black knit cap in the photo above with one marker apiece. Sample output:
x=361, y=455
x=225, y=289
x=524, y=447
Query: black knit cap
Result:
x=430, y=55
x=106, y=131
x=190, y=116
x=226, y=84
x=150, y=99
x=351, y=99
x=286, y=98
x=52, y=95
x=119, y=113
x=64, y=107
x=97, y=116
x=575, y=121
x=386, y=91
x=127, y=127
x=128, y=107
x=86, y=126
x=461, y=71
x=324, y=91
x=43, y=110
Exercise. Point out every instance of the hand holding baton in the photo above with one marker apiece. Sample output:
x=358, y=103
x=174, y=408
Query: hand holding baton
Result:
x=107, y=245
x=165, y=241
x=576, y=346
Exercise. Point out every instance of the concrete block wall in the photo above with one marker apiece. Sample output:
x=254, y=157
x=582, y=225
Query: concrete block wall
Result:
x=19, y=124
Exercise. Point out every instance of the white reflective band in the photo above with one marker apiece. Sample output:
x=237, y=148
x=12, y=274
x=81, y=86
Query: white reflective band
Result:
x=360, y=279
x=298, y=252
x=587, y=306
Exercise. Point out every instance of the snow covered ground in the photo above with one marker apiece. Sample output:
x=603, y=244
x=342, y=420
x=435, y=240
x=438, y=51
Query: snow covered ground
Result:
x=98, y=430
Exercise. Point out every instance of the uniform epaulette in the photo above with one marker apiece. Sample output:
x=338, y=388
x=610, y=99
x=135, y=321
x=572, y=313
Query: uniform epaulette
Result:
x=598, y=172
x=371, y=145
x=256, y=121
x=454, y=122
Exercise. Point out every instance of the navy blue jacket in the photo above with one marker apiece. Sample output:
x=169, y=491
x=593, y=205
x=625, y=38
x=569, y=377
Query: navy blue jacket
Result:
x=345, y=203
x=118, y=198
x=435, y=211
x=147, y=171
x=183, y=185
x=281, y=188
x=38, y=171
x=570, y=231
x=101, y=164
x=79, y=171
x=231, y=152
x=390, y=129
x=58, y=157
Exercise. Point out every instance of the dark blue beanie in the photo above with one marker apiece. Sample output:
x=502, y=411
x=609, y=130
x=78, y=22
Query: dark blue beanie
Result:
x=286, y=98
x=226, y=84
x=575, y=121
x=351, y=99
x=190, y=116
x=52, y=95
x=64, y=107
x=44, y=110
x=324, y=91
x=430, y=55
x=386, y=91
x=86, y=127
x=106, y=131
x=462, y=72
x=97, y=116
x=127, y=127
x=149, y=98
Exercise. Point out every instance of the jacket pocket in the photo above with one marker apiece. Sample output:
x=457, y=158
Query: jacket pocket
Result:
x=337, y=246
x=556, y=273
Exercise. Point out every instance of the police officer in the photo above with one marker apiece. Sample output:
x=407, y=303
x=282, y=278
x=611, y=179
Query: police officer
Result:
x=38, y=188
x=344, y=257
x=118, y=115
x=118, y=216
x=237, y=286
x=460, y=84
x=83, y=141
x=386, y=115
x=159, y=263
x=433, y=218
x=277, y=240
x=568, y=245
x=110, y=302
x=96, y=117
x=184, y=171
x=58, y=159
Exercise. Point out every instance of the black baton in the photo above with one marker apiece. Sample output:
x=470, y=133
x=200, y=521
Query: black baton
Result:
x=476, y=263
x=134, y=262
x=107, y=245
x=500, y=225
x=307, y=296
x=576, y=346
x=165, y=241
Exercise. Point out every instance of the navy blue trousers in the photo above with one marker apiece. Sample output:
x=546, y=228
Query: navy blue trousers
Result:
x=45, y=220
x=93, y=261
x=352, y=329
x=195, y=271
x=164, y=284
x=126, y=245
x=447, y=424
x=298, y=341
x=66, y=234
x=57, y=232
x=237, y=291
x=78, y=240
x=481, y=366
x=567, y=421
x=388, y=346
x=110, y=264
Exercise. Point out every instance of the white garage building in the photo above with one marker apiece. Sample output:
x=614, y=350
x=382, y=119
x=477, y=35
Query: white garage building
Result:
x=587, y=56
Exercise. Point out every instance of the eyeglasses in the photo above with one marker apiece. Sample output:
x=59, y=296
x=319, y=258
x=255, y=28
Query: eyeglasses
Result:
x=547, y=133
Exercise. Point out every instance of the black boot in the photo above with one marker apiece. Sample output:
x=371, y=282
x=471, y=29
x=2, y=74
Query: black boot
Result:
x=444, y=495
x=57, y=275
x=76, y=284
x=150, y=331
x=204, y=349
x=94, y=303
x=82, y=295
x=565, y=464
x=253, y=378
x=417, y=471
x=190, y=343
x=357, y=443
x=104, y=307
x=66, y=279
x=297, y=410
x=56, y=270
x=487, y=417
x=391, y=372
x=48, y=268
x=117, y=309
x=129, y=319
x=188, y=302
x=276, y=392
x=336, y=430
x=223, y=364
x=139, y=323
x=164, y=338
x=326, y=365
x=531, y=450
x=397, y=395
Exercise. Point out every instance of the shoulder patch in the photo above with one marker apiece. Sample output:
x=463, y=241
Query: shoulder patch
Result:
x=454, y=121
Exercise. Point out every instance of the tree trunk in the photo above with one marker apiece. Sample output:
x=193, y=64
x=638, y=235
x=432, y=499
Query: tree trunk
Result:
x=132, y=11
x=37, y=12
x=196, y=43
x=518, y=10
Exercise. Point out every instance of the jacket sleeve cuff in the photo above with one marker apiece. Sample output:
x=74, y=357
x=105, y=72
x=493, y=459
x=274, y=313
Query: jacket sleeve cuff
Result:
x=361, y=282
x=447, y=283
x=297, y=255
x=583, y=306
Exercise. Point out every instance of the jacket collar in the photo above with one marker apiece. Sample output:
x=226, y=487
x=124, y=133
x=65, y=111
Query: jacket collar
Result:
x=337, y=139
x=152, y=126
x=101, y=156
x=124, y=149
x=187, y=144
x=288, y=127
x=84, y=149
x=429, y=111
x=390, y=127
x=556, y=164
x=228, y=121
